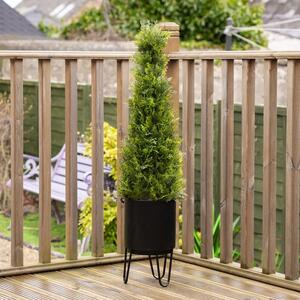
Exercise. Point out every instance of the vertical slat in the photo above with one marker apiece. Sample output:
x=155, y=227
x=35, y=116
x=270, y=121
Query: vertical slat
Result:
x=247, y=164
x=173, y=45
x=44, y=161
x=16, y=94
x=292, y=172
x=97, y=158
x=207, y=158
x=122, y=124
x=71, y=158
x=188, y=133
x=227, y=139
x=269, y=167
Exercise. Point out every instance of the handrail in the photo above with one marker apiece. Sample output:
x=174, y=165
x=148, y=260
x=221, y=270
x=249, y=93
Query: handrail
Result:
x=20, y=54
x=210, y=54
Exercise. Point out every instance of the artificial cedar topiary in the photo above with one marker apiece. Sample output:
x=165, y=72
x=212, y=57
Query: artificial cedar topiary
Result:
x=151, y=167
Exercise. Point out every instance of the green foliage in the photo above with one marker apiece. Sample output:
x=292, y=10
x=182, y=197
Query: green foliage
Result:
x=31, y=231
x=110, y=219
x=90, y=21
x=202, y=22
x=152, y=162
x=244, y=14
x=50, y=30
x=216, y=238
x=110, y=147
x=199, y=20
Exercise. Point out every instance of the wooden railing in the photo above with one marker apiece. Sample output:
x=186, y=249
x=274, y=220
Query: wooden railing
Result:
x=225, y=263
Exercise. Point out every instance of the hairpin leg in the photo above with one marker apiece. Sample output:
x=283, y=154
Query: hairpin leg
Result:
x=159, y=276
x=126, y=266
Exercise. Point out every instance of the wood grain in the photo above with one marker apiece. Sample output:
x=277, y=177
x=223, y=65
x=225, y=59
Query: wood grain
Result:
x=247, y=164
x=45, y=161
x=175, y=55
x=227, y=140
x=292, y=171
x=97, y=158
x=188, y=148
x=71, y=158
x=122, y=125
x=207, y=85
x=269, y=167
x=173, y=46
x=16, y=94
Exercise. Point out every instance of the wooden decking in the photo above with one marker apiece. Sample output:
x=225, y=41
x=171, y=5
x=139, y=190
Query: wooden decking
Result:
x=105, y=282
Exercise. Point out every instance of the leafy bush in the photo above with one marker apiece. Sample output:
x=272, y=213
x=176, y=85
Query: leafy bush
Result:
x=110, y=147
x=151, y=167
x=201, y=21
x=216, y=238
x=91, y=21
x=110, y=219
x=4, y=151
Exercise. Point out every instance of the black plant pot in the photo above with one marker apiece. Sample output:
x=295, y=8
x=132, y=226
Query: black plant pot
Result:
x=150, y=229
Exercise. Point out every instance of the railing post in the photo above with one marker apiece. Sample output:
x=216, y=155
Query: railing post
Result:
x=97, y=158
x=16, y=93
x=269, y=167
x=122, y=124
x=188, y=149
x=173, y=45
x=45, y=161
x=226, y=170
x=206, y=226
x=71, y=158
x=292, y=190
x=247, y=166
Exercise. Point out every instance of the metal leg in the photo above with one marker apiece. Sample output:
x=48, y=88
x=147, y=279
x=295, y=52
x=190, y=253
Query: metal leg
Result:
x=126, y=266
x=159, y=276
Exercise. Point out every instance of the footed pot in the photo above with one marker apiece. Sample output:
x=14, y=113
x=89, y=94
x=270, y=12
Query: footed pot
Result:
x=150, y=226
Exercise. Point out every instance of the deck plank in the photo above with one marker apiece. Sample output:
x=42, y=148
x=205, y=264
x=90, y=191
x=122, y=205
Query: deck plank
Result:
x=105, y=282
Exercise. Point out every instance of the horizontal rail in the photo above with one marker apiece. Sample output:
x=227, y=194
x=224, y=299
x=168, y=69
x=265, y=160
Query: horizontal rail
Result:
x=20, y=54
x=233, y=268
x=66, y=54
x=62, y=264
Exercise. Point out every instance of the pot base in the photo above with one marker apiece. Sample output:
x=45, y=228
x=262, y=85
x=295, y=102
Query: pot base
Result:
x=160, y=276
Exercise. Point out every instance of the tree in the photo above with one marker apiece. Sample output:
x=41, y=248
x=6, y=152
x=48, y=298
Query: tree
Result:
x=151, y=168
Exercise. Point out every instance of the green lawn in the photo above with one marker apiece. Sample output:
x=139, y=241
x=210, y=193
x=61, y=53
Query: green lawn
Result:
x=31, y=233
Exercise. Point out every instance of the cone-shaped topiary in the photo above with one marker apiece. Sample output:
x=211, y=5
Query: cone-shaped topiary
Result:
x=151, y=167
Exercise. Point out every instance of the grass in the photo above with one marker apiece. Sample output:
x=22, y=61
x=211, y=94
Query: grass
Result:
x=31, y=233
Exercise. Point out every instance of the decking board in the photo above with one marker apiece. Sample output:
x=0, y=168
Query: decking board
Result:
x=105, y=282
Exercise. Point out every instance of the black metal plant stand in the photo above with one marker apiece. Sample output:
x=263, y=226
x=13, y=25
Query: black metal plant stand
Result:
x=159, y=276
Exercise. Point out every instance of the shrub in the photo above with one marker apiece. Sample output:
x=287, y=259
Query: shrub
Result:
x=110, y=147
x=201, y=21
x=91, y=21
x=4, y=151
x=110, y=219
x=151, y=167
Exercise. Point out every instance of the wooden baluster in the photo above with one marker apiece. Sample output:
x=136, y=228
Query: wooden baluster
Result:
x=173, y=45
x=188, y=133
x=71, y=158
x=247, y=164
x=16, y=94
x=97, y=158
x=227, y=140
x=207, y=158
x=122, y=124
x=44, y=161
x=292, y=172
x=269, y=167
